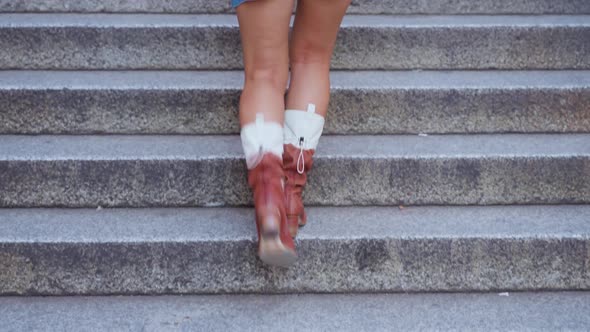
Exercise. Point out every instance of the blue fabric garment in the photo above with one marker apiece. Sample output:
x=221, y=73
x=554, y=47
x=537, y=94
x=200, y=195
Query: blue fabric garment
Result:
x=235, y=3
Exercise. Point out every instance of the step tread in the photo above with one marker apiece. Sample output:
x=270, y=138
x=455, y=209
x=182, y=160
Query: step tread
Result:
x=21, y=20
x=199, y=147
x=526, y=311
x=182, y=225
x=357, y=6
x=232, y=79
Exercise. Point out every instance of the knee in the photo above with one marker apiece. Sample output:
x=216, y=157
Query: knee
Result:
x=270, y=74
x=304, y=52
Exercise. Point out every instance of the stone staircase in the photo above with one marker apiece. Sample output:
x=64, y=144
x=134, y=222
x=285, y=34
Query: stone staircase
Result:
x=465, y=169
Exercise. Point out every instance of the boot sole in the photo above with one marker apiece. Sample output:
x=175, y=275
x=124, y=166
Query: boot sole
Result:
x=272, y=251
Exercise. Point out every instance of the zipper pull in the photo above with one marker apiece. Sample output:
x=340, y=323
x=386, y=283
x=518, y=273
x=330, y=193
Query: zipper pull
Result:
x=300, y=158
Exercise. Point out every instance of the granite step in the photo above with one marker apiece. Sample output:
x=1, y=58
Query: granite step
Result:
x=356, y=7
x=362, y=102
x=169, y=41
x=342, y=249
x=546, y=311
x=192, y=170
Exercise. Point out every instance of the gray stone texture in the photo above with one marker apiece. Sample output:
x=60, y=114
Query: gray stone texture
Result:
x=357, y=6
x=344, y=249
x=135, y=41
x=503, y=212
x=372, y=102
x=548, y=311
x=86, y=171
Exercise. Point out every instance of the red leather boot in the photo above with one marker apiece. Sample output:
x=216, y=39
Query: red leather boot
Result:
x=275, y=245
x=262, y=143
x=301, y=136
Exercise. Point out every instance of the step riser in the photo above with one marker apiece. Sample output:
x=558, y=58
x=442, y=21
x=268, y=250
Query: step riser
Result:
x=352, y=110
x=333, y=181
x=360, y=265
x=207, y=47
x=357, y=6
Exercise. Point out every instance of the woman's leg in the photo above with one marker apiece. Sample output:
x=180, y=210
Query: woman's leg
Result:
x=264, y=28
x=312, y=42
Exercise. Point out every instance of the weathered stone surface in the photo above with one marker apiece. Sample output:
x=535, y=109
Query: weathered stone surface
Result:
x=79, y=171
x=135, y=41
x=345, y=249
x=361, y=102
x=519, y=311
x=357, y=6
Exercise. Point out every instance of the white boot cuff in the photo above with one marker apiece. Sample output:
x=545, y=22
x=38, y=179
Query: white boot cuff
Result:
x=259, y=138
x=303, y=127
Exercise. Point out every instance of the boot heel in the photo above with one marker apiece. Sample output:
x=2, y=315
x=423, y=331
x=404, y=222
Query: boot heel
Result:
x=271, y=249
x=293, y=222
x=270, y=226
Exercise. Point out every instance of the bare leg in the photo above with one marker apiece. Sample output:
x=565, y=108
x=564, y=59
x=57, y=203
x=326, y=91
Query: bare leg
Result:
x=312, y=43
x=264, y=29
